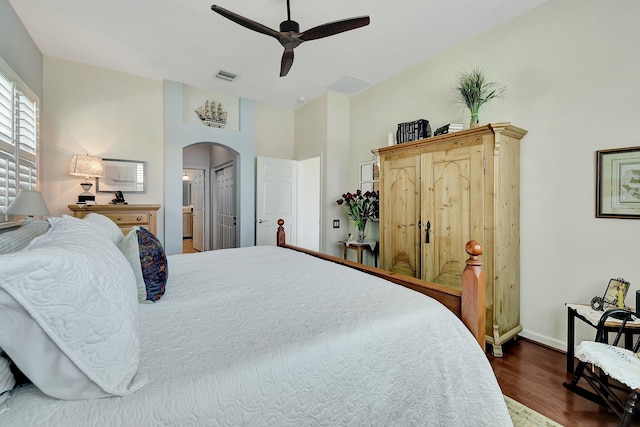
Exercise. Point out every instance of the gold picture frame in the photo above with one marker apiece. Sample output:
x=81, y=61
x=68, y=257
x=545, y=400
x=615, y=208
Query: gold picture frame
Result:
x=618, y=183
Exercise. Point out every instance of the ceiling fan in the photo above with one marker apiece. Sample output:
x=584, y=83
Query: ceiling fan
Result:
x=290, y=36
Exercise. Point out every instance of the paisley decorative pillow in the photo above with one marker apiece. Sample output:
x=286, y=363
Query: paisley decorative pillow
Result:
x=149, y=263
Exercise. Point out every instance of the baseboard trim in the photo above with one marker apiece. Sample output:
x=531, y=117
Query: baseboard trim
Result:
x=544, y=340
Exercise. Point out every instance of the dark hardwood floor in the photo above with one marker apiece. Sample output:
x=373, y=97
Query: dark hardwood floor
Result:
x=532, y=374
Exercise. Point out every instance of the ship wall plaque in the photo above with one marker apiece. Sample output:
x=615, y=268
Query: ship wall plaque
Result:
x=212, y=114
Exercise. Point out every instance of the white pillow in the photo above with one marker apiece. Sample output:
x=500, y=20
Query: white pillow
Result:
x=129, y=247
x=7, y=381
x=18, y=239
x=104, y=225
x=69, y=313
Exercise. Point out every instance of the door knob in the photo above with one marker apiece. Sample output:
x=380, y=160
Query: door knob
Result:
x=261, y=221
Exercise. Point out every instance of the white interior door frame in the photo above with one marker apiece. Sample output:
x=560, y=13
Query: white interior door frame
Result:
x=200, y=214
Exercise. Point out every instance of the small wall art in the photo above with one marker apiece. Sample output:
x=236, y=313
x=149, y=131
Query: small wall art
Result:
x=212, y=114
x=618, y=183
x=128, y=176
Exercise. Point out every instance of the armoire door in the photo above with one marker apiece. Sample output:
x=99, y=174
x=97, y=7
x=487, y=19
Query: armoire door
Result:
x=452, y=211
x=400, y=215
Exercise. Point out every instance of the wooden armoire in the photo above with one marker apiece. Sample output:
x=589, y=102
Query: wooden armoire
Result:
x=438, y=193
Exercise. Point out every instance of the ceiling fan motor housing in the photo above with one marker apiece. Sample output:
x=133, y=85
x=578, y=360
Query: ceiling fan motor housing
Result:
x=289, y=25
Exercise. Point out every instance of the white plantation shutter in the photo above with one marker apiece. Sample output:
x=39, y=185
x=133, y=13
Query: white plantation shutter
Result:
x=6, y=110
x=18, y=138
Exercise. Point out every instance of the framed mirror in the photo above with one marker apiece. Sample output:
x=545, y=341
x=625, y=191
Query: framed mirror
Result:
x=128, y=176
x=186, y=193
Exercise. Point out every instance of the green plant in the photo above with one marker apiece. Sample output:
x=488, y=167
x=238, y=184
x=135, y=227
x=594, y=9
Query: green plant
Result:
x=473, y=90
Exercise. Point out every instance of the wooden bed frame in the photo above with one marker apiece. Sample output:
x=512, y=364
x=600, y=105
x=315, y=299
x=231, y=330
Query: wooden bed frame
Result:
x=468, y=304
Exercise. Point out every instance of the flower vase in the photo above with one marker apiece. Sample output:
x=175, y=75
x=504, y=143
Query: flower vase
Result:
x=474, y=121
x=362, y=231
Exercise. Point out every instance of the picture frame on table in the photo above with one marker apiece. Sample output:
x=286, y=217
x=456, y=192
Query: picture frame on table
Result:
x=127, y=176
x=618, y=183
x=614, y=295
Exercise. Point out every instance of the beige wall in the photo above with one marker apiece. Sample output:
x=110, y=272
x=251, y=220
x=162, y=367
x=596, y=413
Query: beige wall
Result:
x=273, y=131
x=571, y=68
x=102, y=112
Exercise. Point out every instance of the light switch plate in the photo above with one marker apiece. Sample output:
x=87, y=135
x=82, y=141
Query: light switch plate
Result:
x=336, y=223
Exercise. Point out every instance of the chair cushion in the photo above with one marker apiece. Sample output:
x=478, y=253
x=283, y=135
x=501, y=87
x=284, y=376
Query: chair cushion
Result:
x=619, y=363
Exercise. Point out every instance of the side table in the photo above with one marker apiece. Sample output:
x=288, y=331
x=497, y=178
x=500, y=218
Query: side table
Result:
x=591, y=317
x=370, y=245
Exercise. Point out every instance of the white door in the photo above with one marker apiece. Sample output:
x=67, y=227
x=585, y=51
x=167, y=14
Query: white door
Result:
x=197, y=199
x=276, y=188
x=225, y=208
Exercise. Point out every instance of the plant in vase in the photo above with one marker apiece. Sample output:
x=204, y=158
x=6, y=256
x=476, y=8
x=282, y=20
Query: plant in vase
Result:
x=361, y=208
x=473, y=90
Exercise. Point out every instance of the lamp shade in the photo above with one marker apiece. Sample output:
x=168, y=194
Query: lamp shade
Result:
x=28, y=202
x=86, y=166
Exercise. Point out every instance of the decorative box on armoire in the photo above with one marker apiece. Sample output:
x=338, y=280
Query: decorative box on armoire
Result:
x=438, y=193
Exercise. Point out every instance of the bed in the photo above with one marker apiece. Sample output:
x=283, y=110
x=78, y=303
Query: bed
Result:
x=274, y=336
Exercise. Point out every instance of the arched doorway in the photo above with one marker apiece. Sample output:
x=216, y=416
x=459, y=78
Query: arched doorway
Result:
x=211, y=171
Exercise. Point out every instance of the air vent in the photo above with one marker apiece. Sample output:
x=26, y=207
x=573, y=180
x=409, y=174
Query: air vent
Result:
x=225, y=75
x=349, y=85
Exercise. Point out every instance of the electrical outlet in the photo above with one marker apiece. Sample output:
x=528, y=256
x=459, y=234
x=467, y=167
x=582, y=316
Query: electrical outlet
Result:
x=336, y=223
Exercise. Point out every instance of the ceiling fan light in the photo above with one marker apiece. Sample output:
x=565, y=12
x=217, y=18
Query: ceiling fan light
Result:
x=226, y=75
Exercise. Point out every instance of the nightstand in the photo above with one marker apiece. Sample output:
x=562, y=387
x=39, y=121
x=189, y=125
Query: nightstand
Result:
x=369, y=245
x=125, y=216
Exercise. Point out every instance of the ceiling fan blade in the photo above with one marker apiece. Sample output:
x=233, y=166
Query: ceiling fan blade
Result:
x=331, y=28
x=245, y=22
x=287, y=62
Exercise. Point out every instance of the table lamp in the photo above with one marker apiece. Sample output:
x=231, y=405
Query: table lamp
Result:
x=87, y=167
x=28, y=203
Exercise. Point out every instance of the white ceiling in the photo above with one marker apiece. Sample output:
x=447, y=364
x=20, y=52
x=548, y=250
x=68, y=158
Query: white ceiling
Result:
x=185, y=41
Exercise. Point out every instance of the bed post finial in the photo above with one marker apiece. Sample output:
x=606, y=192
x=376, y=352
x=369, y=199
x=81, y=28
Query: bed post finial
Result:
x=280, y=235
x=474, y=293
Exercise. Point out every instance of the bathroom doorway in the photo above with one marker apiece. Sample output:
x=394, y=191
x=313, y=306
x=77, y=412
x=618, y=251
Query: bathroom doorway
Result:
x=201, y=162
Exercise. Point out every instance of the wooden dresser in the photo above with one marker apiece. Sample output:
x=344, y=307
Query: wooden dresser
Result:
x=126, y=216
x=438, y=193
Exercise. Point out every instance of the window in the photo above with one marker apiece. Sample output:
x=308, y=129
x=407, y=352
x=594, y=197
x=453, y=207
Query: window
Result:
x=370, y=176
x=18, y=138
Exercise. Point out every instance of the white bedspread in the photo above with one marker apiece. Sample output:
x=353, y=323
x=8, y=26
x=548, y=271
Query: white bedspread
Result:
x=268, y=336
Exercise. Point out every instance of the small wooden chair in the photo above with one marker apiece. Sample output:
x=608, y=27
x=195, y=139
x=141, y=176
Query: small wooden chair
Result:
x=599, y=362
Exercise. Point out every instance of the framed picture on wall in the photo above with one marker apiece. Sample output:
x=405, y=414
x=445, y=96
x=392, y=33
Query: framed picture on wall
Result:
x=128, y=176
x=618, y=183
